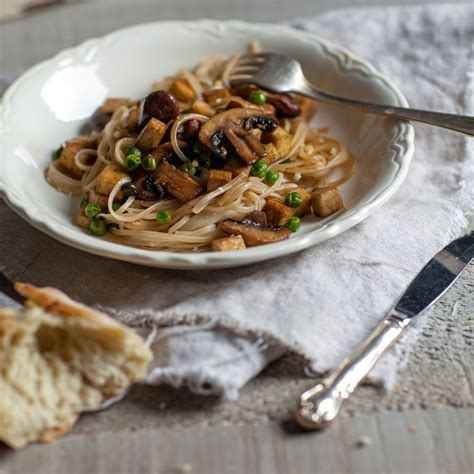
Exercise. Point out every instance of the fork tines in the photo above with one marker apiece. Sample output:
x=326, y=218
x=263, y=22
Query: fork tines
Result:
x=247, y=66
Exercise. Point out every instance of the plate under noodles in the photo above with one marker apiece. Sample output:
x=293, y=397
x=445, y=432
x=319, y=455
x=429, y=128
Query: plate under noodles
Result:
x=306, y=159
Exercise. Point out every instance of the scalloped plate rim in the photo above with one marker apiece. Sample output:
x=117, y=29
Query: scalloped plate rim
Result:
x=210, y=260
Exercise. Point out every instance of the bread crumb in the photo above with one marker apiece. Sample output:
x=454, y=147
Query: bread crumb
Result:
x=363, y=442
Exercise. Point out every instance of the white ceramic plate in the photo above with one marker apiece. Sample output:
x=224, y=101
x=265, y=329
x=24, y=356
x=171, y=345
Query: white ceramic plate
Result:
x=50, y=102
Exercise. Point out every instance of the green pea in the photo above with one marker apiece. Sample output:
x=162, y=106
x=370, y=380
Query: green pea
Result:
x=97, y=227
x=134, y=158
x=272, y=176
x=293, y=223
x=57, y=153
x=92, y=209
x=116, y=206
x=134, y=151
x=259, y=169
x=258, y=97
x=149, y=163
x=189, y=168
x=163, y=217
x=133, y=162
x=293, y=199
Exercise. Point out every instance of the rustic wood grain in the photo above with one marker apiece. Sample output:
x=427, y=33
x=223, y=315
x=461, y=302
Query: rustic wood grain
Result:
x=139, y=436
x=432, y=441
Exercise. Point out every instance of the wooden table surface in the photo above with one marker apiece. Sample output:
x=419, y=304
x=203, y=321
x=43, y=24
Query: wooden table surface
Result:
x=164, y=431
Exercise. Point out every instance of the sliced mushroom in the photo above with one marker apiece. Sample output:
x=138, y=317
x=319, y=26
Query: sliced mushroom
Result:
x=176, y=182
x=166, y=153
x=254, y=234
x=256, y=145
x=146, y=189
x=241, y=146
x=233, y=127
x=285, y=104
x=238, y=102
x=160, y=105
x=190, y=129
x=259, y=217
x=127, y=190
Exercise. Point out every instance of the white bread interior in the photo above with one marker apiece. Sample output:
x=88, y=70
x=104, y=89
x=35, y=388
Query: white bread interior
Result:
x=58, y=357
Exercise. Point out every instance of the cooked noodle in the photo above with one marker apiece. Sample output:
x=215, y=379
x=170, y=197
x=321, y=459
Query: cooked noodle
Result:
x=309, y=164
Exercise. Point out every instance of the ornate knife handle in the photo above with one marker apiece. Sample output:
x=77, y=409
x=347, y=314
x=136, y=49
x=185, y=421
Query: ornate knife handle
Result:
x=319, y=405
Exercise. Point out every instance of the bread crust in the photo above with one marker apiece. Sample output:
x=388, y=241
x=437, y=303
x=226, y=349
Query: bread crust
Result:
x=78, y=356
x=55, y=301
x=52, y=434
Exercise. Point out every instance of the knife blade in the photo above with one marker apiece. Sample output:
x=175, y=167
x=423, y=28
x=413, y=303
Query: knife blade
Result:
x=320, y=405
x=435, y=278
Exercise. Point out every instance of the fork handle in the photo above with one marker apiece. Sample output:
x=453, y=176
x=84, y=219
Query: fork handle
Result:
x=459, y=123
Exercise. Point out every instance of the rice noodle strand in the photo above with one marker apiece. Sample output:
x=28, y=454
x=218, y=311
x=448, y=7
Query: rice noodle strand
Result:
x=315, y=160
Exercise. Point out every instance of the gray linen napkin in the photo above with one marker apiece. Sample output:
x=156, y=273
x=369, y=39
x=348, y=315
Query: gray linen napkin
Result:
x=228, y=324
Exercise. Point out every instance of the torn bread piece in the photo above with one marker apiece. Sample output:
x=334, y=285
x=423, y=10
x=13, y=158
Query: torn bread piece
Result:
x=57, y=358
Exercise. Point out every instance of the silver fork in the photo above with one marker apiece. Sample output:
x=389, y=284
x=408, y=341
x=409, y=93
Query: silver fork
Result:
x=280, y=73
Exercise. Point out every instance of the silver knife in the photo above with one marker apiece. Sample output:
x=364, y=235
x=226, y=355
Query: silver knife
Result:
x=320, y=405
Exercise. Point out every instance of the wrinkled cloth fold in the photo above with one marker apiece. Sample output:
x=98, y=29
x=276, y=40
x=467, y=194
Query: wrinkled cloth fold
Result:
x=218, y=329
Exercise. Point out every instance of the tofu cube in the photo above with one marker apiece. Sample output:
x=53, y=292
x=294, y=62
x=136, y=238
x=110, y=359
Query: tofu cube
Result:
x=112, y=104
x=203, y=108
x=305, y=206
x=236, y=167
x=218, y=178
x=282, y=141
x=214, y=97
x=272, y=154
x=82, y=220
x=182, y=90
x=151, y=135
x=177, y=183
x=99, y=199
x=66, y=162
x=326, y=201
x=108, y=178
x=277, y=212
x=259, y=217
x=234, y=242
